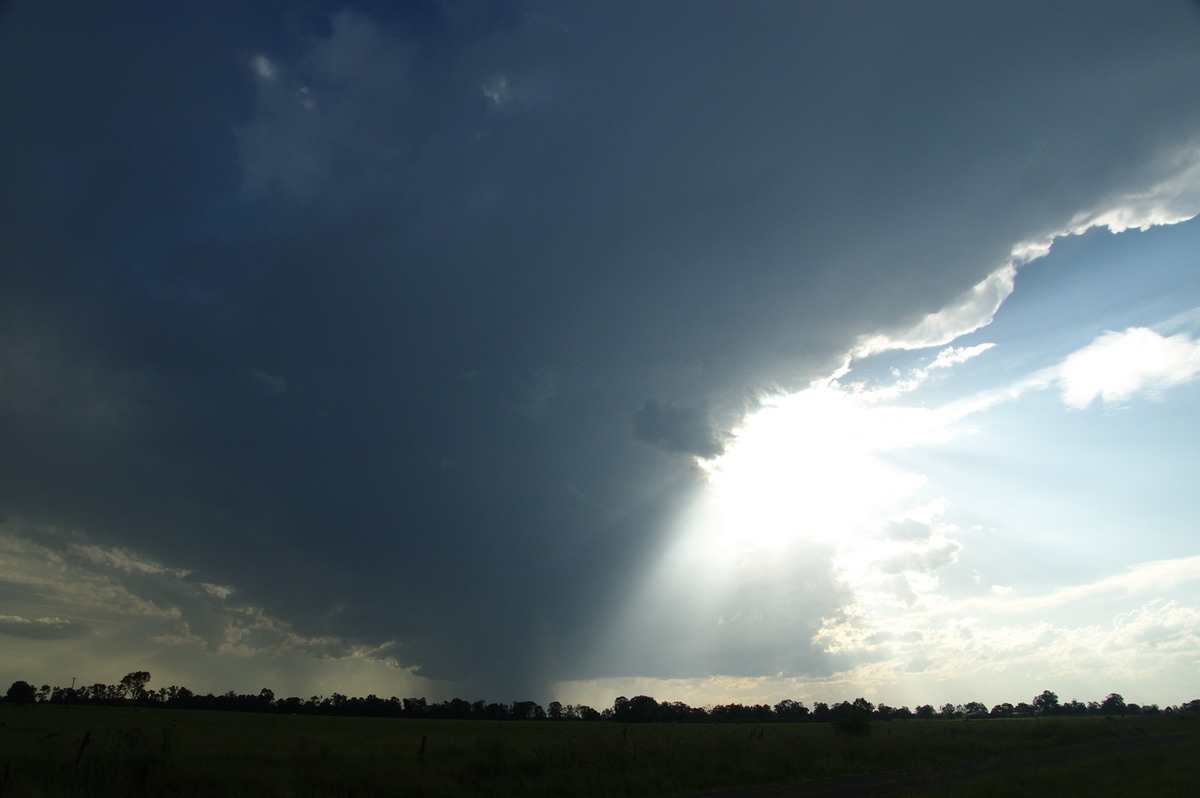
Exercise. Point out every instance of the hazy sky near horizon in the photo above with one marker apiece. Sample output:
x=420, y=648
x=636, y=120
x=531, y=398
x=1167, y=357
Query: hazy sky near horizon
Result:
x=539, y=350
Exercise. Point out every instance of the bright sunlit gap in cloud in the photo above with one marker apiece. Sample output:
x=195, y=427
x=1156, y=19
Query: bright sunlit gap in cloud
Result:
x=803, y=530
x=807, y=469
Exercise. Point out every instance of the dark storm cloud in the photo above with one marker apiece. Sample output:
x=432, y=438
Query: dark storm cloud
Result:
x=252, y=253
x=685, y=430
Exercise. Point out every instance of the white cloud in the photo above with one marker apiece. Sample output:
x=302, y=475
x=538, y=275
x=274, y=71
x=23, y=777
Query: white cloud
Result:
x=1174, y=198
x=1138, y=580
x=40, y=628
x=972, y=310
x=953, y=355
x=912, y=379
x=1118, y=365
x=1113, y=368
x=971, y=649
x=496, y=90
x=1171, y=195
x=264, y=69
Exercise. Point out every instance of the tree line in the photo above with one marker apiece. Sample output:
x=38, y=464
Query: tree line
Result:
x=132, y=690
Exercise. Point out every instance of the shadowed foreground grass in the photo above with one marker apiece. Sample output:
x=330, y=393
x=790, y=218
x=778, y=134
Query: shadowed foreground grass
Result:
x=1167, y=769
x=153, y=752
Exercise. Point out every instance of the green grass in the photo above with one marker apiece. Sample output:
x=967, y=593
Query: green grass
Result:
x=159, y=752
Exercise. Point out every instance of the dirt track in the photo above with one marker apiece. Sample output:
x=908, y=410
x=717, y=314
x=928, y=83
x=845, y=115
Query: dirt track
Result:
x=902, y=782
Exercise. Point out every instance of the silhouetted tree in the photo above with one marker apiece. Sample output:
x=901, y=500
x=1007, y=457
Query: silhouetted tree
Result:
x=1074, y=707
x=1046, y=703
x=974, y=709
x=642, y=709
x=459, y=708
x=791, y=711
x=1113, y=704
x=925, y=711
x=134, y=684
x=21, y=692
x=862, y=705
x=853, y=718
x=496, y=711
x=527, y=710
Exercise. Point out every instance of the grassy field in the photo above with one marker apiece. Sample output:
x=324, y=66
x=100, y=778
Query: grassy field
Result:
x=1167, y=770
x=159, y=752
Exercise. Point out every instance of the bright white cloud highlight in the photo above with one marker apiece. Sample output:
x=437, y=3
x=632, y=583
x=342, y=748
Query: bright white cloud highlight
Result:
x=804, y=467
x=972, y=310
x=1118, y=365
x=1174, y=198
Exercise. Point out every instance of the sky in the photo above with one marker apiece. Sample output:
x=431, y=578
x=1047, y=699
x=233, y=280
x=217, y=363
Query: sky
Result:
x=720, y=352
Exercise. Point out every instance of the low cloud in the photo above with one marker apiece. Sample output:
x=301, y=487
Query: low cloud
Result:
x=41, y=628
x=153, y=608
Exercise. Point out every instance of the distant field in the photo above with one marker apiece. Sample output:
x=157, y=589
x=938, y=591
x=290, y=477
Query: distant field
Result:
x=154, y=752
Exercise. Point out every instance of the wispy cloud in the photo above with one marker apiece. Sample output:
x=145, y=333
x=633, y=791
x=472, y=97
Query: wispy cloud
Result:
x=41, y=628
x=1141, y=579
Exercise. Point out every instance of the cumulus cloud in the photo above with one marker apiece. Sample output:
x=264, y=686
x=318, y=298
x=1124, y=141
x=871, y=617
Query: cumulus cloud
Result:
x=1118, y=365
